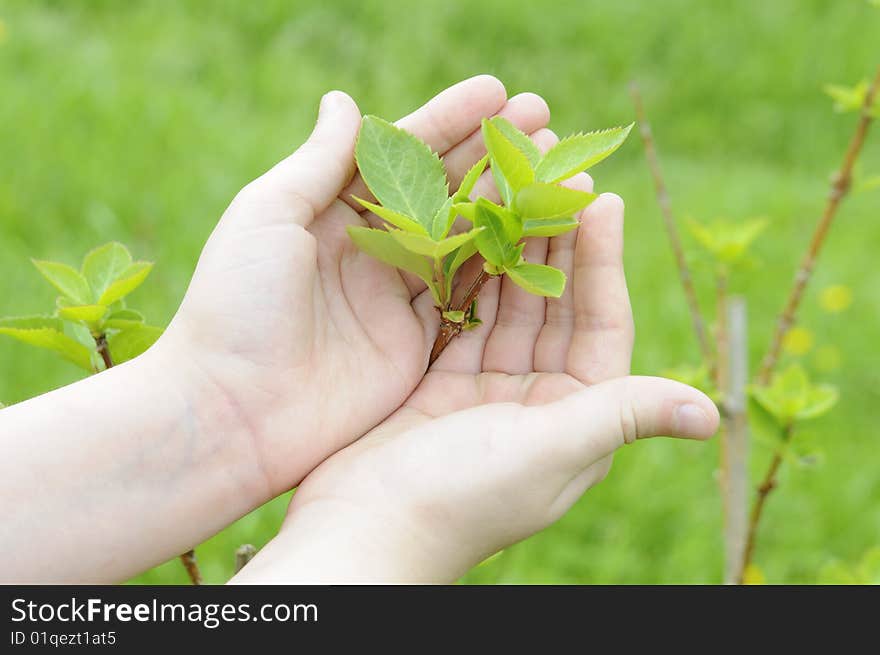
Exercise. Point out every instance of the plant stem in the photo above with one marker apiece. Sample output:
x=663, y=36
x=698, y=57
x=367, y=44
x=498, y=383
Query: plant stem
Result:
x=840, y=186
x=450, y=330
x=244, y=554
x=669, y=221
x=189, y=557
x=767, y=485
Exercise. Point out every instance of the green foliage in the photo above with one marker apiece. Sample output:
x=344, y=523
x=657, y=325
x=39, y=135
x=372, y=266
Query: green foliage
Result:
x=849, y=99
x=727, y=242
x=866, y=571
x=409, y=182
x=791, y=397
x=91, y=307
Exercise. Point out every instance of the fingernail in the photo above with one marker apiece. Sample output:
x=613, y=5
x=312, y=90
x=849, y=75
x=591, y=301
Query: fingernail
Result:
x=691, y=421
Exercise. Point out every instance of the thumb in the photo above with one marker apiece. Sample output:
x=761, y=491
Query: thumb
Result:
x=304, y=184
x=591, y=424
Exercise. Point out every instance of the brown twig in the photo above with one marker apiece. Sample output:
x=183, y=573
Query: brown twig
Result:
x=840, y=186
x=671, y=229
x=767, y=485
x=449, y=329
x=192, y=567
x=189, y=557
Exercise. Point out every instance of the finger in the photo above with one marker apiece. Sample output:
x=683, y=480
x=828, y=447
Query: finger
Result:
x=510, y=347
x=445, y=120
x=302, y=186
x=601, y=344
x=551, y=349
x=527, y=111
x=586, y=426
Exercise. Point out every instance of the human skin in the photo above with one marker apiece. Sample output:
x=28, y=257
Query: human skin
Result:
x=289, y=345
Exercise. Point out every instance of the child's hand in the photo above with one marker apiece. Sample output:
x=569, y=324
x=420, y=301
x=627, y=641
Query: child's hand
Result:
x=515, y=421
x=289, y=336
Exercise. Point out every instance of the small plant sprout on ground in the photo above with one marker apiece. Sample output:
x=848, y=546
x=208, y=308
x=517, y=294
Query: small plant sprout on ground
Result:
x=409, y=182
x=92, y=327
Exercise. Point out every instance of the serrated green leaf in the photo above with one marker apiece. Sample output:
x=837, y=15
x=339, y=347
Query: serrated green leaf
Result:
x=549, y=227
x=542, y=200
x=67, y=280
x=129, y=280
x=384, y=247
x=579, y=152
x=104, y=265
x=508, y=162
x=502, y=232
x=443, y=220
x=470, y=180
x=538, y=279
x=454, y=261
x=518, y=138
x=422, y=245
x=47, y=333
x=124, y=318
x=131, y=342
x=87, y=313
x=401, y=171
x=394, y=218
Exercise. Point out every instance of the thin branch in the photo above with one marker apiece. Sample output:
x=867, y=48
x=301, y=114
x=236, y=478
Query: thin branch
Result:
x=189, y=557
x=449, y=329
x=671, y=229
x=840, y=186
x=767, y=485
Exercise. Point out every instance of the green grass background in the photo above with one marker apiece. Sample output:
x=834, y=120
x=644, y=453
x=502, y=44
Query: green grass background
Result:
x=139, y=121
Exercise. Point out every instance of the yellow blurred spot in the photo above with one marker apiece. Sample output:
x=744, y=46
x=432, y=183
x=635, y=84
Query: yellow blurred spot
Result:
x=827, y=358
x=753, y=575
x=798, y=341
x=836, y=298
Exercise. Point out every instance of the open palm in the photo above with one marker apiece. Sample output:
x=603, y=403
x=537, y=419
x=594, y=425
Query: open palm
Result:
x=303, y=343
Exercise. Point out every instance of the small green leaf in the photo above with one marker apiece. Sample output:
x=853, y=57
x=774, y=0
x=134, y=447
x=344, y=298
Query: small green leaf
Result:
x=401, y=171
x=790, y=396
x=508, y=160
x=104, y=265
x=394, y=218
x=130, y=343
x=384, y=247
x=578, y=152
x=727, y=242
x=129, y=280
x=67, y=280
x=454, y=261
x=820, y=400
x=847, y=99
x=124, y=318
x=465, y=210
x=426, y=246
x=443, y=220
x=538, y=279
x=47, y=333
x=86, y=313
x=550, y=227
x=502, y=231
x=470, y=180
x=454, y=316
x=518, y=138
x=541, y=200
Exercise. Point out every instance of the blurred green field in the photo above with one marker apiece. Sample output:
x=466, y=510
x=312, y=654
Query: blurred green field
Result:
x=139, y=121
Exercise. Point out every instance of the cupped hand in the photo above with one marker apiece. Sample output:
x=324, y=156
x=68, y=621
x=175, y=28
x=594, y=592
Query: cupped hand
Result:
x=510, y=426
x=289, y=338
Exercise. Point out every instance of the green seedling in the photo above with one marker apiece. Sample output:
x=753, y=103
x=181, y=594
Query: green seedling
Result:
x=91, y=326
x=791, y=397
x=410, y=184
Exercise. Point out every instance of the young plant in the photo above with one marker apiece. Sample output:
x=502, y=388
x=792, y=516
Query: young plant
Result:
x=91, y=326
x=409, y=181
